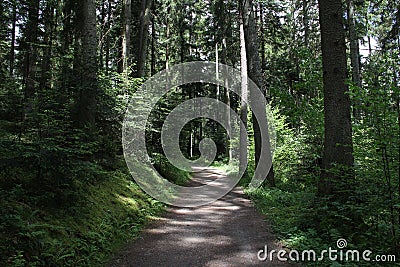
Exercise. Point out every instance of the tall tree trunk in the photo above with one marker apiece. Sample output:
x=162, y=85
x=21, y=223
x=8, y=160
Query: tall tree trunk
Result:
x=255, y=74
x=65, y=79
x=167, y=35
x=89, y=88
x=244, y=91
x=30, y=61
x=142, y=38
x=262, y=31
x=338, y=146
x=354, y=52
x=13, y=36
x=227, y=99
x=217, y=68
x=126, y=36
x=103, y=32
x=108, y=38
x=153, y=44
x=48, y=42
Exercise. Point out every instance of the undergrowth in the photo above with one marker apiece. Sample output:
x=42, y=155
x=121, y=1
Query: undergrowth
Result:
x=100, y=218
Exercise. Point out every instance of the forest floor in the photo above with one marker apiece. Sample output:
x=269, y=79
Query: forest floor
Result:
x=228, y=232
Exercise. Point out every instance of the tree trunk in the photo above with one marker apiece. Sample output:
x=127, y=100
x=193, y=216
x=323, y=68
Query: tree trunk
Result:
x=167, y=34
x=244, y=93
x=30, y=61
x=108, y=39
x=255, y=74
x=13, y=36
x=144, y=21
x=126, y=36
x=338, y=145
x=153, y=45
x=48, y=41
x=88, y=84
x=354, y=52
x=103, y=33
x=262, y=30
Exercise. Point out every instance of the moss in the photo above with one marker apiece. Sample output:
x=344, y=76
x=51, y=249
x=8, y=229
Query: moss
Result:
x=107, y=215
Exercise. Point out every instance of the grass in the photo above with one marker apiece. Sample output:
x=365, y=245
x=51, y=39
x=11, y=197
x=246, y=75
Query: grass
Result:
x=296, y=221
x=107, y=214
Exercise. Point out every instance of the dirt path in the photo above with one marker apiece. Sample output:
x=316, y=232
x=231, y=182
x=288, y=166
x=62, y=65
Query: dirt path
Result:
x=228, y=232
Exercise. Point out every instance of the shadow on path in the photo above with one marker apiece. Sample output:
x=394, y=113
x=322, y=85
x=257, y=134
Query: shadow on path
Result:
x=228, y=232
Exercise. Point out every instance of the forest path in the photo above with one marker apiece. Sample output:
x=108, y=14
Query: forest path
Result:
x=228, y=232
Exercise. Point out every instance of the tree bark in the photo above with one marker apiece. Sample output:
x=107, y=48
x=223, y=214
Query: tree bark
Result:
x=126, y=36
x=13, y=36
x=262, y=30
x=87, y=104
x=244, y=93
x=227, y=99
x=354, y=52
x=255, y=74
x=108, y=38
x=142, y=38
x=30, y=61
x=338, y=146
x=48, y=42
x=153, y=44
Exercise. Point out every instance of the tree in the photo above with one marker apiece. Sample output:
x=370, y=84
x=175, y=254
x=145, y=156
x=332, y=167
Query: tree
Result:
x=13, y=37
x=142, y=37
x=87, y=103
x=354, y=51
x=30, y=59
x=255, y=74
x=244, y=88
x=338, y=146
x=354, y=46
x=126, y=35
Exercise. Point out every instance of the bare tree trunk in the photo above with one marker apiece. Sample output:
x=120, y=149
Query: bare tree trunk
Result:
x=227, y=99
x=30, y=61
x=127, y=35
x=48, y=40
x=217, y=68
x=142, y=37
x=108, y=39
x=103, y=33
x=338, y=145
x=87, y=104
x=256, y=75
x=167, y=33
x=262, y=30
x=398, y=132
x=244, y=93
x=153, y=44
x=354, y=52
x=13, y=35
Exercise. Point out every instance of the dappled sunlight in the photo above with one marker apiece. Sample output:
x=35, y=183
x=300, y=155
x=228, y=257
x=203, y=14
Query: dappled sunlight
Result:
x=128, y=201
x=229, y=231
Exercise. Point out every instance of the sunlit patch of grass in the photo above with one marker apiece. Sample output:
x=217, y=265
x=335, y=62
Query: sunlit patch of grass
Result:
x=108, y=214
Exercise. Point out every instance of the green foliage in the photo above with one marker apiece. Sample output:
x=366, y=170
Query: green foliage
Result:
x=107, y=214
x=367, y=213
x=65, y=197
x=169, y=171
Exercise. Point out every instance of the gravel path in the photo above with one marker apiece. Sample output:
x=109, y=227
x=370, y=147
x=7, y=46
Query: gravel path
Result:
x=228, y=232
